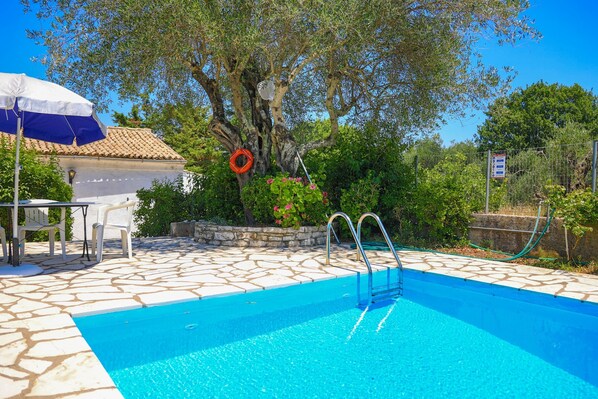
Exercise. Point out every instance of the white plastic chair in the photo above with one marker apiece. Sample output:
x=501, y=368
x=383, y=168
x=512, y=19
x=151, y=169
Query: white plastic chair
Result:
x=124, y=224
x=36, y=219
x=3, y=239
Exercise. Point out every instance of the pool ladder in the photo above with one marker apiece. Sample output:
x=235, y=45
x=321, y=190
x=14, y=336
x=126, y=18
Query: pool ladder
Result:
x=393, y=287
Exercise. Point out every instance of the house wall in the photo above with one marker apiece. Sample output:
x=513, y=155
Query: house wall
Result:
x=108, y=181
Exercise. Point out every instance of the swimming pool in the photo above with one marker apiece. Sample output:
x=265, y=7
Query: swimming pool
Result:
x=445, y=338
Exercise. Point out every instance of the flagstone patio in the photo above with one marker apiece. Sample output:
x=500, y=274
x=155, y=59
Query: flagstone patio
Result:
x=42, y=353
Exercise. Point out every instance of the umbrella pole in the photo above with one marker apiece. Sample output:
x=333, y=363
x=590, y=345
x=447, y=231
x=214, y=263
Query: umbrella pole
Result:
x=17, y=269
x=15, y=213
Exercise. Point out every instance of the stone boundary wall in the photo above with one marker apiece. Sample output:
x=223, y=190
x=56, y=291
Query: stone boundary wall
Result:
x=209, y=233
x=551, y=244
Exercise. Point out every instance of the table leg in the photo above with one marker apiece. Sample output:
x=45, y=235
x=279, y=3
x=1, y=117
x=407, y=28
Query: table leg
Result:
x=85, y=245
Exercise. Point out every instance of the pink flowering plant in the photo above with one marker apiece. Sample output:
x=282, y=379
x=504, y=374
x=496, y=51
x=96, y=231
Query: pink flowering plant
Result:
x=297, y=202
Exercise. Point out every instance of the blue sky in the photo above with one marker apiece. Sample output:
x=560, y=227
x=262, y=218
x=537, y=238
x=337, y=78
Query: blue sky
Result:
x=567, y=53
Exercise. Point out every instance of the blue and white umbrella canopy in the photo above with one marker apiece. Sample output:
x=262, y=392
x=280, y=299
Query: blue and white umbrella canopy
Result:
x=42, y=110
x=48, y=112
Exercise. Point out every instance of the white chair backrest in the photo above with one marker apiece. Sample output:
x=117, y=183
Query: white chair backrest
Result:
x=105, y=210
x=37, y=216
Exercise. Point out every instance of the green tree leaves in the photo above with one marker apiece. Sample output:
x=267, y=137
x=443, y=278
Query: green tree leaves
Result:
x=446, y=197
x=164, y=202
x=39, y=178
x=183, y=126
x=402, y=63
x=529, y=117
x=579, y=208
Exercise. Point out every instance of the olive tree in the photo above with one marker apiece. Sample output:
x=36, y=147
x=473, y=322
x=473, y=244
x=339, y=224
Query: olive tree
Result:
x=399, y=62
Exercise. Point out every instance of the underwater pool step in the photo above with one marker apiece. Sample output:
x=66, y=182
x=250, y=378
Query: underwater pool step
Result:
x=385, y=292
x=387, y=286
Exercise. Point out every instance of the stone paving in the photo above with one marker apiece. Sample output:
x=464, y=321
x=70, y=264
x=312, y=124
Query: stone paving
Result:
x=42, y=353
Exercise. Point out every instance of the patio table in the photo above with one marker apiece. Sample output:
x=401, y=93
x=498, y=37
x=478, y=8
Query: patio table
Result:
x=55, y=204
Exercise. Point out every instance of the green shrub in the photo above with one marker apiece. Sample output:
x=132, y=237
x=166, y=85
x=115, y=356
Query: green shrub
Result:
x=162, y=203
x=364, y=154
x=317, y=211
x=498, y=194
x=579, y=208
x=217, y=194
x=39, y=178
x=362, y=196
x=259, y=198
x=446, y=197
x=285, y=201
x=297, y=202
x=212, y=196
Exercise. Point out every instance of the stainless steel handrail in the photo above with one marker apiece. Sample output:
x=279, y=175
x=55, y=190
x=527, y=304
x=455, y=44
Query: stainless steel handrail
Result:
x=357, y=244
x=384, y=233
x=388, y=242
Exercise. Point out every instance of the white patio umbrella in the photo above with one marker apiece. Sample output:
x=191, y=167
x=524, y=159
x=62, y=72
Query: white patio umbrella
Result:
x=45, y=111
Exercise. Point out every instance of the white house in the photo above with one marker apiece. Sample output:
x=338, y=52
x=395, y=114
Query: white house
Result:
x=111, y=170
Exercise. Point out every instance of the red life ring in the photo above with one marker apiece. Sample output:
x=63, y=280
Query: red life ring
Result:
x=233, y=161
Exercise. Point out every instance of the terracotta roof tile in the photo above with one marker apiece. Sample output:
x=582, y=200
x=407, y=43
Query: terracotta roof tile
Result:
x=121, y=142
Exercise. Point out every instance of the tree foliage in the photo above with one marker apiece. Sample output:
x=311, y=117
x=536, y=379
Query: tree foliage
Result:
x=164, y=202
x=571, y=148
x=529, y=117
x=446, y=197
x=578, y=208
x=183, y=126
x=39, y=178
x=400, y=62
x=133, y=119
x=425, y=152
x=361, y=155
x=565, y=159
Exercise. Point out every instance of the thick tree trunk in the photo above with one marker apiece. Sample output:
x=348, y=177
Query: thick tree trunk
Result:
x=285, y=147
x=243, y=180
x=260, y=145
x=256, y=131
x=261, y=131
x=222, y=133
x=286, y=150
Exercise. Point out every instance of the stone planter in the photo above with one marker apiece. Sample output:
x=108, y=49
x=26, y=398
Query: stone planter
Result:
x=209, y=233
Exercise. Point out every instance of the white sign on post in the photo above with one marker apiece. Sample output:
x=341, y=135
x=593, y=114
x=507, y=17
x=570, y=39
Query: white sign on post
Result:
x=499, y=165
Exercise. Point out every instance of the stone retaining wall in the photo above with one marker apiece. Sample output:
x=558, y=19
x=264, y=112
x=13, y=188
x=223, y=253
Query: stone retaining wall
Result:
x=552, y=244
x=495, y=236
x=182, y=229
x=209, y=233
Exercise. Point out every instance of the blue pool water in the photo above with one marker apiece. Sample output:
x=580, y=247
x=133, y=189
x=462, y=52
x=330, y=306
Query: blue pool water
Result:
x=445, y=338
